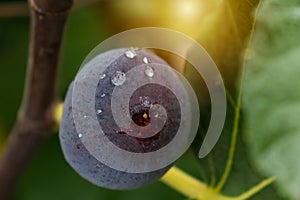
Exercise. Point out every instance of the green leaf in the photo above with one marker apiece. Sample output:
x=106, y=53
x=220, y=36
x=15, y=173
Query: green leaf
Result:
x=226, y=38
x=272, y=95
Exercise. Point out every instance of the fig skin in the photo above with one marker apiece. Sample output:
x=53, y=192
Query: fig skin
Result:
x=88, y=166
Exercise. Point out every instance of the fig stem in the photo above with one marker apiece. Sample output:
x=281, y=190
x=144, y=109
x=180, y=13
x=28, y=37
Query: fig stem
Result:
x=195, y=189
x=184, y=183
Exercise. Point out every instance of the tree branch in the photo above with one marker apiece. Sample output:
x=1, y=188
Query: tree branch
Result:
x=35, y=118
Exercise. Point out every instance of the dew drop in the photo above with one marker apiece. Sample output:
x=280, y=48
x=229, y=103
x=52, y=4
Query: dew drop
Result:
x=145, y=60
x=149, y=72
x=102, y=76
x=84, y=116
x=80, y=135
x=99, y=111
x=118, y=78
x=130, y=53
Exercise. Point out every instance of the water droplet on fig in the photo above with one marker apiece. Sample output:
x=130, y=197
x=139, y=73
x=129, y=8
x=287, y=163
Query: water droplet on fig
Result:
x=102, y=76
x=118, y=78
x=149, y=72
x=130, y=53
x=145, y=60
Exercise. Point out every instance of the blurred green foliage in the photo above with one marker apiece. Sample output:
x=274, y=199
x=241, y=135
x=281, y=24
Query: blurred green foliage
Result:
x=272, y=95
